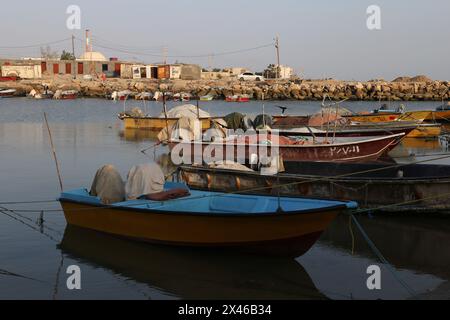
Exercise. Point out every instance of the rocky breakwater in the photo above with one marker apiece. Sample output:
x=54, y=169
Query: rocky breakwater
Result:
x=402, y=89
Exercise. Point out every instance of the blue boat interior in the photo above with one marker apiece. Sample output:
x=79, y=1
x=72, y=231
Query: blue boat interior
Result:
x=206, y=202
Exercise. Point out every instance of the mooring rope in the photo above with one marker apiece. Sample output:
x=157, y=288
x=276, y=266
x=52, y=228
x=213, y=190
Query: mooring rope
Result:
x=381, y=257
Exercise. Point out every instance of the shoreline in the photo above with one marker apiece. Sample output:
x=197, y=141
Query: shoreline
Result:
x=297, y=90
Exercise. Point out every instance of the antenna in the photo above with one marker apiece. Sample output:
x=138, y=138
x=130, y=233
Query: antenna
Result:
x=277, y=47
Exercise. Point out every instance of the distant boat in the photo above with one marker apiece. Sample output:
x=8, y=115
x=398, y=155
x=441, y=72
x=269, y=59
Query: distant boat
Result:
x=182, y=97
x=121, y=95
x=144, y=96
x=7, y=93
x=238, y=98
x=69, y=95
x=207, y=98
x=279, y=225
x=8, y=78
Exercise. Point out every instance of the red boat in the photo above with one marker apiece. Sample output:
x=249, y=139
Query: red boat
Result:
x=8, y=78
x=69, y=95
x=237, y=98
x=356, y=151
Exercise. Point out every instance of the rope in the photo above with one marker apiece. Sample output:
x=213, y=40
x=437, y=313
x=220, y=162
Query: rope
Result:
x=381, y=257
x=351, y=234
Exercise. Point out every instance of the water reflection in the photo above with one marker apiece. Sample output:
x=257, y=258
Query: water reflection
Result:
x=138, y=135
x=192, y=273
x=412, y=243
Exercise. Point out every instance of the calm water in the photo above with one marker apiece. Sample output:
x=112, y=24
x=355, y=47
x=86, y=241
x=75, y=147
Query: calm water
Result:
x=87, y=135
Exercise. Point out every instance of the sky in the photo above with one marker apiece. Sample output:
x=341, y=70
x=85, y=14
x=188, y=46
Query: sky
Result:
x=319, y=39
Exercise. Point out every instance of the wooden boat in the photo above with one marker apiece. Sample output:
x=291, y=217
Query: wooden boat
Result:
x=348, y=131
x=238, y=98
x=207, y=98
x=355, y=151
x=390, y=116
x=7, y=93
x=182, y=97
x=8, y=78
x=156, y=123
x=371, y=185
x=69, y=95
x=207, y=219
x=426, y=130
x=144, y=96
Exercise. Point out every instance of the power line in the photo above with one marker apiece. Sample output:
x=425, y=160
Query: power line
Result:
x=35, y=45
x=182, y=56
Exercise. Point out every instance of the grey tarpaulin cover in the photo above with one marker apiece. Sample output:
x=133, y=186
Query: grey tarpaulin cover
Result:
x=108, y=185
x=144, y=179
x=186, y=111
x=186, y=129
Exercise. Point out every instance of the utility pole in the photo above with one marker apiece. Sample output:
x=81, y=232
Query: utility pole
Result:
x=165, y=52
x=74, y=58
x=210, y=61
x=277, y=46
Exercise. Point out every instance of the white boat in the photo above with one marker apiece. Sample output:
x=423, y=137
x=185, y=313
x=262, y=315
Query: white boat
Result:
x=7, y=93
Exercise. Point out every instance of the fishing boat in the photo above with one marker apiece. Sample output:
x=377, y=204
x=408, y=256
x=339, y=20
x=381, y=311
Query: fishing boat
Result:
x=442, y=113
x=144, y=96
x=238, y=98
x=7, y=93
x=138, y=120
x=391, y=116
x=426, y=130
x=348, y=131
x=156, y=123
x=416, y=187
x=207, y=98
x=354, y=151
x=69, y=95
x=183, y=96
x=121, y=95
x=8, y=78
x=281, y=225
x=411, y=130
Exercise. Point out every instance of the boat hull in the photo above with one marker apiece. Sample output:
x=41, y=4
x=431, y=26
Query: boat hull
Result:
x=350, y=132
x=157, y=124
x=426, y=131
x=391, y=116
x=416, y=192
x=360, y=151
x=286, y=234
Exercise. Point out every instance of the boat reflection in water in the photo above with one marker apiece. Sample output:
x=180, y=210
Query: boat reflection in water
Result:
x=138, y=135
x=421, y=244
x=192, y=273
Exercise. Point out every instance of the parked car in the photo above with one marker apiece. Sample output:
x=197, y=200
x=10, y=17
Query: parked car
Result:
x=249, y=76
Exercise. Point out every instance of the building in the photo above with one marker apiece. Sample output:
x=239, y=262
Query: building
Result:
x=22, y=71
x=282, y=72
x=95, y=63
x=161, y=71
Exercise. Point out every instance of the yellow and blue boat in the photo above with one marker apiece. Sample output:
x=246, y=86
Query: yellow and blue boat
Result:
x=280, y=225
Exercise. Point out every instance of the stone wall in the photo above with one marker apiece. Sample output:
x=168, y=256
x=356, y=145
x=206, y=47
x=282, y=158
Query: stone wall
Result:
x=406, y=90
